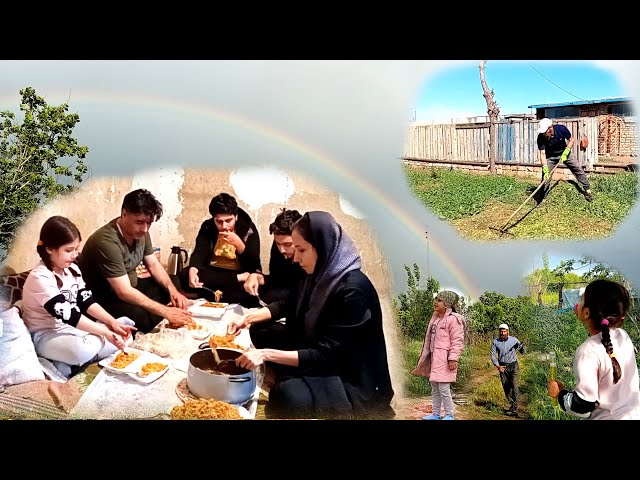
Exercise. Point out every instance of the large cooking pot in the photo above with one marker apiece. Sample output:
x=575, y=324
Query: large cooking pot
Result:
x=237, y=386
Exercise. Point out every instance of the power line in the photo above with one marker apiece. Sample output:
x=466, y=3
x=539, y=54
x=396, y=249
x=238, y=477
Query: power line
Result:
x=426, y=234
x=566, y=91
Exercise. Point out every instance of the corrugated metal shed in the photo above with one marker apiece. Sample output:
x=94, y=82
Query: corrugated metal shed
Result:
x=582, y=102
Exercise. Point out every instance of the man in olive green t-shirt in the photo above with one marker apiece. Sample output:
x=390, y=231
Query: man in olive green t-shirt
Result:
x=109, y=260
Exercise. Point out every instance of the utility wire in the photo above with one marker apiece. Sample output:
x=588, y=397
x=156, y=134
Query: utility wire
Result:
x=566, y=91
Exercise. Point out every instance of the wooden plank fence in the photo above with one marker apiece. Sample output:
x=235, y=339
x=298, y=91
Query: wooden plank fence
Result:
x=469, y=142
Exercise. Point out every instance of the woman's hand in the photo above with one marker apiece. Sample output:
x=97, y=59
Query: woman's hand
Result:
x=116, y=340
x=236, y=325
x=123, y=329
x=256, y=316
x=252, y=358
x=453, y=364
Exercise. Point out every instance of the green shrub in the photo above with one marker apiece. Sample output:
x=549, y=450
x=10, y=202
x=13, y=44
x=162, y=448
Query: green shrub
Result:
x=414, y=308
x=534, y=379
x=494, y=308
x=414, y=386
x=465, y=369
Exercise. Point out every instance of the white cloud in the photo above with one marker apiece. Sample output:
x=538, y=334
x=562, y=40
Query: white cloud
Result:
x=259, y=186
x=349, y=209
x=442, y=114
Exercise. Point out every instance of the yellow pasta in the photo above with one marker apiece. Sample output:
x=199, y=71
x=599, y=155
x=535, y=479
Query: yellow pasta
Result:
x=152, y=367
x=212, y=305
x=123, y=359
x=205, y=409
x=224, y=342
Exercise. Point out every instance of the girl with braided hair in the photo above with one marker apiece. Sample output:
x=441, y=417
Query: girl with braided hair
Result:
x=605, y=368
x=67, y=325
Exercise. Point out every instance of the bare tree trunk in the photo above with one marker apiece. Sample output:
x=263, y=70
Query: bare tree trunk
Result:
x=560, y=288
x=494, y=111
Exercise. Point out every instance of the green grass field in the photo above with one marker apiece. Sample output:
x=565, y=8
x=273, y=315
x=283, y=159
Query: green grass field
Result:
x=476, y=203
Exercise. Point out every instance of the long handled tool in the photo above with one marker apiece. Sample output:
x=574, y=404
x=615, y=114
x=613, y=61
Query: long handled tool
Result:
x=504, y=227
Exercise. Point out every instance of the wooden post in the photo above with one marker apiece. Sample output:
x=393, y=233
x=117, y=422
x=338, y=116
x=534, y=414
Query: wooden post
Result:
x=494, y=112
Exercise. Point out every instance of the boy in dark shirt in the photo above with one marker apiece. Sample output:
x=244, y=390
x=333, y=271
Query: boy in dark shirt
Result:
x=284, y=274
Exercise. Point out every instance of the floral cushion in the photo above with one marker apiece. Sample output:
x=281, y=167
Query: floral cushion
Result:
x=11, y=288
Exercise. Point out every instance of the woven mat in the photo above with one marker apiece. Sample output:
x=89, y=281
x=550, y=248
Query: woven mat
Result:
x=45, y=399
x=13, y=407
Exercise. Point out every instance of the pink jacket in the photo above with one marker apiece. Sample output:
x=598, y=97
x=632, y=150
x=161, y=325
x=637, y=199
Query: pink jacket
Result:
x=448, y=345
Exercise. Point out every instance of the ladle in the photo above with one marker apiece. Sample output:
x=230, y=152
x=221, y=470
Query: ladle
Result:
x=221, y=363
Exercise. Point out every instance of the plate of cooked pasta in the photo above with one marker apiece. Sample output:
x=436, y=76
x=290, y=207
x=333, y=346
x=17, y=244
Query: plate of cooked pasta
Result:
x=121, y=361
x=145, y=367
x=207, y=309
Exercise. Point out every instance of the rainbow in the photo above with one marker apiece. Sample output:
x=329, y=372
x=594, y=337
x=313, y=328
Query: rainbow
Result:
x=385, y=201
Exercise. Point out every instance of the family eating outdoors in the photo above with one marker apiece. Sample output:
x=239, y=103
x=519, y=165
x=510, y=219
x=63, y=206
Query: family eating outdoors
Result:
x=320, y=334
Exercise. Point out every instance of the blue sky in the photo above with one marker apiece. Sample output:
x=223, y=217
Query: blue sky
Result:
x=457, y=92
x=556, y=258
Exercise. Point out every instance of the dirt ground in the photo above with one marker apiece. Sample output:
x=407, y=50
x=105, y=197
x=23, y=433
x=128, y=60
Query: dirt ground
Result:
x=416, y=408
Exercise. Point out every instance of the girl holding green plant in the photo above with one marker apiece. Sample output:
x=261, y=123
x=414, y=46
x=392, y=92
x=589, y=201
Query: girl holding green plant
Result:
x=607, y=383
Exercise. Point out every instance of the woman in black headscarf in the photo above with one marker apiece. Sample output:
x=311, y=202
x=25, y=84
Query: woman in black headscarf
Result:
x=331, y=359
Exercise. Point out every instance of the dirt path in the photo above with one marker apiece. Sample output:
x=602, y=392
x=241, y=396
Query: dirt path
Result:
x=417, y=407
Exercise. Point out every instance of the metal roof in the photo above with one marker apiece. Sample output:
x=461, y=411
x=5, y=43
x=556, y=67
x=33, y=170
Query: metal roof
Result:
x=582, y=102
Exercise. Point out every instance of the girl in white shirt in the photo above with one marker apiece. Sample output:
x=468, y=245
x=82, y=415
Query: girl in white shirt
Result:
x=66, y=324
x=604, y=366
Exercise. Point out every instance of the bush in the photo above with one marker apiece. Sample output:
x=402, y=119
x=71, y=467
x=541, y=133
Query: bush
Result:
x=414, y=386
x=415, y=307
x=494, y=308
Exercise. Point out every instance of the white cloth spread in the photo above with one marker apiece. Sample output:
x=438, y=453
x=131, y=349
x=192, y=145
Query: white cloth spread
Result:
x=118, y=396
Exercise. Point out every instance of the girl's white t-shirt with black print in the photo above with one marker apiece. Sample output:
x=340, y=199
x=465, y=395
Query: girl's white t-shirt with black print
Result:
x=594, y=377
x=50, y=301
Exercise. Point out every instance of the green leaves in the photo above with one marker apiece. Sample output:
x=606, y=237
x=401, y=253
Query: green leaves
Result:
x=494, y=308
x=39, y=157
x=415, y=307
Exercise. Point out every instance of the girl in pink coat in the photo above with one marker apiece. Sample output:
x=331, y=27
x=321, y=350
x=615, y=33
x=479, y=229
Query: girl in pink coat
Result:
x=441, y=350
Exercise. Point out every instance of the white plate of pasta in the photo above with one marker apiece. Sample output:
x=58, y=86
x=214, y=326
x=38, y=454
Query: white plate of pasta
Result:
x=207, y=309
x=145, y=367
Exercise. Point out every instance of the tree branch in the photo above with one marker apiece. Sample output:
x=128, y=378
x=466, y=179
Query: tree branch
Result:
x=492, y=107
